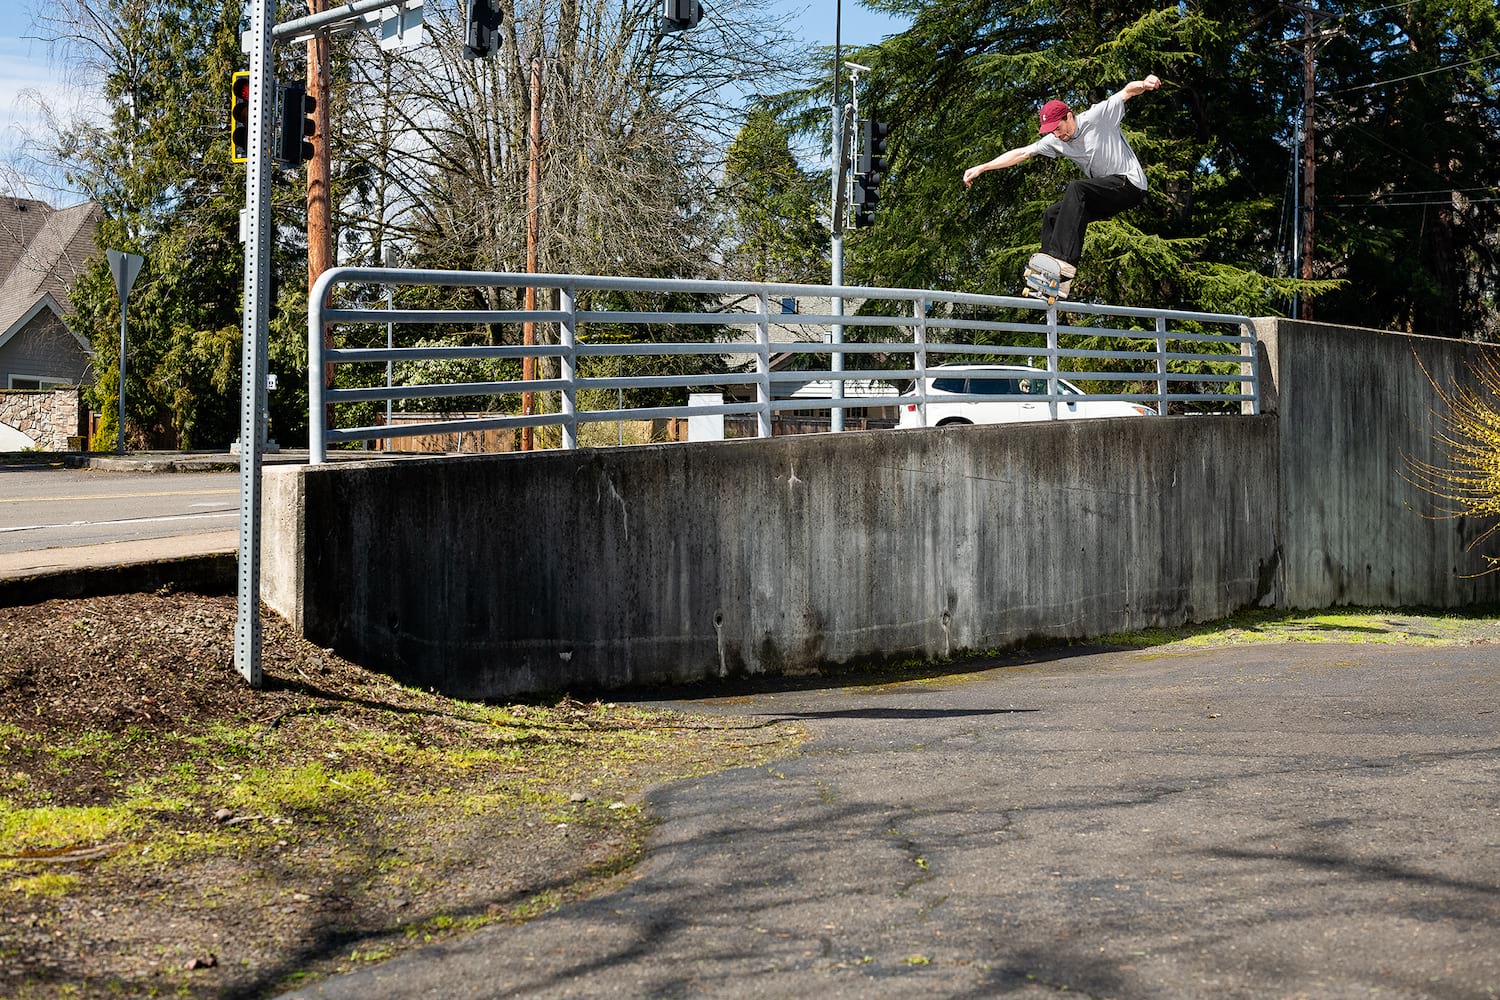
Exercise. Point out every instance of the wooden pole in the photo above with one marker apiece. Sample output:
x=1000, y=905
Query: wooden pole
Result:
x=319, y=208
x=533, y=232
x=1309, y=158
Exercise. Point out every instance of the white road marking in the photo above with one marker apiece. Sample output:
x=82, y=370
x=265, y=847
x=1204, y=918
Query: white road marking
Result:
x=122, y=520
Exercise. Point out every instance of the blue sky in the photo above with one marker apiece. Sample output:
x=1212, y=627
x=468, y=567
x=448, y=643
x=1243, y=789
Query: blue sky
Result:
x=815, y=20
x=24, y=65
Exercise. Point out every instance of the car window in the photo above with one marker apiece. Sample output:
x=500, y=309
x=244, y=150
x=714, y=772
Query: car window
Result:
x=992, y=386
x=1038, y=387
x=948, y=384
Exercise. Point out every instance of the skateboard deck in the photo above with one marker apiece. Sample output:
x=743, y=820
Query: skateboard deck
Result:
x=1043, y=278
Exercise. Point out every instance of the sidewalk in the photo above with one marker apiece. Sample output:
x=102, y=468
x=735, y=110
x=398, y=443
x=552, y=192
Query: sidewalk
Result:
x=168, y=461
x=1285, y=820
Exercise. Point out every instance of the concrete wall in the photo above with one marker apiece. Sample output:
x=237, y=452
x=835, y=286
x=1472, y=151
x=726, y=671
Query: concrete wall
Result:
x=488, y=576
x=1358, y=409
x=494, y=575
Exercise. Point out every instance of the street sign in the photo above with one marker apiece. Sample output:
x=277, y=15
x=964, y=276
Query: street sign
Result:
x=400, y=28
x=125, y=267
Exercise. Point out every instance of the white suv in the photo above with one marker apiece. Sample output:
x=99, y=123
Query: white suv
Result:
x=1022, y=393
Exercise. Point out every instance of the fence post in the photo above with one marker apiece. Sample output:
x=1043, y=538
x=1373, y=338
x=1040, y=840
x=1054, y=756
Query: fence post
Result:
x=567, y=336
x=919, y=356
x=1161, y=366
x=317, y=411
x=1253, y=363
x=763, y=366
x=1052, y=362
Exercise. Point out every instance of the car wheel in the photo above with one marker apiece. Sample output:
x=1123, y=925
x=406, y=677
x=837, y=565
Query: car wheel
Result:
x=953, y=422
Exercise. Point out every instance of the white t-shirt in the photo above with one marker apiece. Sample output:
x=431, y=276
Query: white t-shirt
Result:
x=1098, y=147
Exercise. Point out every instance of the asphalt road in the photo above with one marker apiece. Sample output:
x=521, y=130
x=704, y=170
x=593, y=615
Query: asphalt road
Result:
x=43, y=507
x=1288, y=820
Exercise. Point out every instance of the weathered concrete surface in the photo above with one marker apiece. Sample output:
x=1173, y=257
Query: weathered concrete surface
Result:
x=1359, y=410
x=495, y=575
x=1301, y=820
x=605, y=568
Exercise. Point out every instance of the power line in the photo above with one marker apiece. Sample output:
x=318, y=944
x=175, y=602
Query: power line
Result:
x=1413, y=76
x=1404, y=194
x=1336, y=203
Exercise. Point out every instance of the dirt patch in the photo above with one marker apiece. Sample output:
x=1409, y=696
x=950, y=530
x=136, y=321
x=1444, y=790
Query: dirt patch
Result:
x=165, y=830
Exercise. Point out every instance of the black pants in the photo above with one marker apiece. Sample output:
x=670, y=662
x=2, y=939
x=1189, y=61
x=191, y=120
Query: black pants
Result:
x=1085, y=201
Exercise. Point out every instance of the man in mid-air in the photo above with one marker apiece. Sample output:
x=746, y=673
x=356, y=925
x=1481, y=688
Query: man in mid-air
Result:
x=1112, y=179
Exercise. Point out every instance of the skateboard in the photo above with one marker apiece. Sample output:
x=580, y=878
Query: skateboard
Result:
x=1043, y=277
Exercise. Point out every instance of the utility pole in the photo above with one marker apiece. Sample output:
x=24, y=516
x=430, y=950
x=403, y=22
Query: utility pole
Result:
x=319, y=205
x=1312, y=18
x=1309, y=158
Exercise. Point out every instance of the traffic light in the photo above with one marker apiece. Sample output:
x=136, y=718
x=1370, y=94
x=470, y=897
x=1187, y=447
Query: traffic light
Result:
x=866, y=197
x=482, y=33
x=239, y=115
x=679, y=15
x=297, y=124
x=869, y=171
x=872, y=158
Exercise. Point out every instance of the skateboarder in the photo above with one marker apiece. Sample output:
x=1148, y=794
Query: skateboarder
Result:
x=1113, y=179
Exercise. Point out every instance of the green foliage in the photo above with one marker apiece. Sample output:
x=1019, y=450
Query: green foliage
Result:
x=775, y=230
x=964, y=83
x=1217, y=143
x=160, y=166
x=447, y=371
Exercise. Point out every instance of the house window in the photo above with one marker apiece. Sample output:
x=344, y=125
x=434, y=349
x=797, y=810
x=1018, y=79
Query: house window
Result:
x=38, y=382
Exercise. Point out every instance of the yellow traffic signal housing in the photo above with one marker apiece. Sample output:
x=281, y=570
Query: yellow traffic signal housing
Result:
x=239, y=115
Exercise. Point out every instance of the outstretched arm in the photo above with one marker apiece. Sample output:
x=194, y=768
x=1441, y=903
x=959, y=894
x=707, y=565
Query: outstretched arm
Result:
x=1009, y=158
x=1139, y=87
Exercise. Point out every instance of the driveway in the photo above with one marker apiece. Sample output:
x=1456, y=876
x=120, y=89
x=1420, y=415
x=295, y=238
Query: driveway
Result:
x=1287, y=820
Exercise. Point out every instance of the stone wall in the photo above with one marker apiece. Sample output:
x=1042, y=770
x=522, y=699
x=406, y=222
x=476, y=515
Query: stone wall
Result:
x=51, y=419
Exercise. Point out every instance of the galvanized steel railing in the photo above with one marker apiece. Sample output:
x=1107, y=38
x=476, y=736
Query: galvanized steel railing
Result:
x=914, y=337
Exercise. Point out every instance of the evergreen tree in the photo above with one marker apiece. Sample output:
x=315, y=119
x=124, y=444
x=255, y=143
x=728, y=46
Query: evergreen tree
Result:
x=964, y=83
x=776, y=234
x=1408, y=183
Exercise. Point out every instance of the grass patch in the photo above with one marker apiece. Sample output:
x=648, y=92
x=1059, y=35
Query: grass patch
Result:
x=301, y=788
x=1343, y=625
x=45, y=828
x=47, y=884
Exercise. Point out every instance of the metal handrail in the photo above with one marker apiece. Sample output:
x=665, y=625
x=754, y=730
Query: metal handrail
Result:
x=919, y=348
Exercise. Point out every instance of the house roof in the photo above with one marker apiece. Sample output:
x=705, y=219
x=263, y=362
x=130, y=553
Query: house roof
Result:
x=43, y=250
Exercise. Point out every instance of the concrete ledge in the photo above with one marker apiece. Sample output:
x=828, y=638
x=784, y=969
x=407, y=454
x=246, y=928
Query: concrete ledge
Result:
x=490, y=576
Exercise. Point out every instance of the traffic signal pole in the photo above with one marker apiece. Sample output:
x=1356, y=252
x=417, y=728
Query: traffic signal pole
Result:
x=247, y=627
x=257, y=227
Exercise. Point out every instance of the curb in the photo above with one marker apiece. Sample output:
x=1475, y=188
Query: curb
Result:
x=214, y=574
